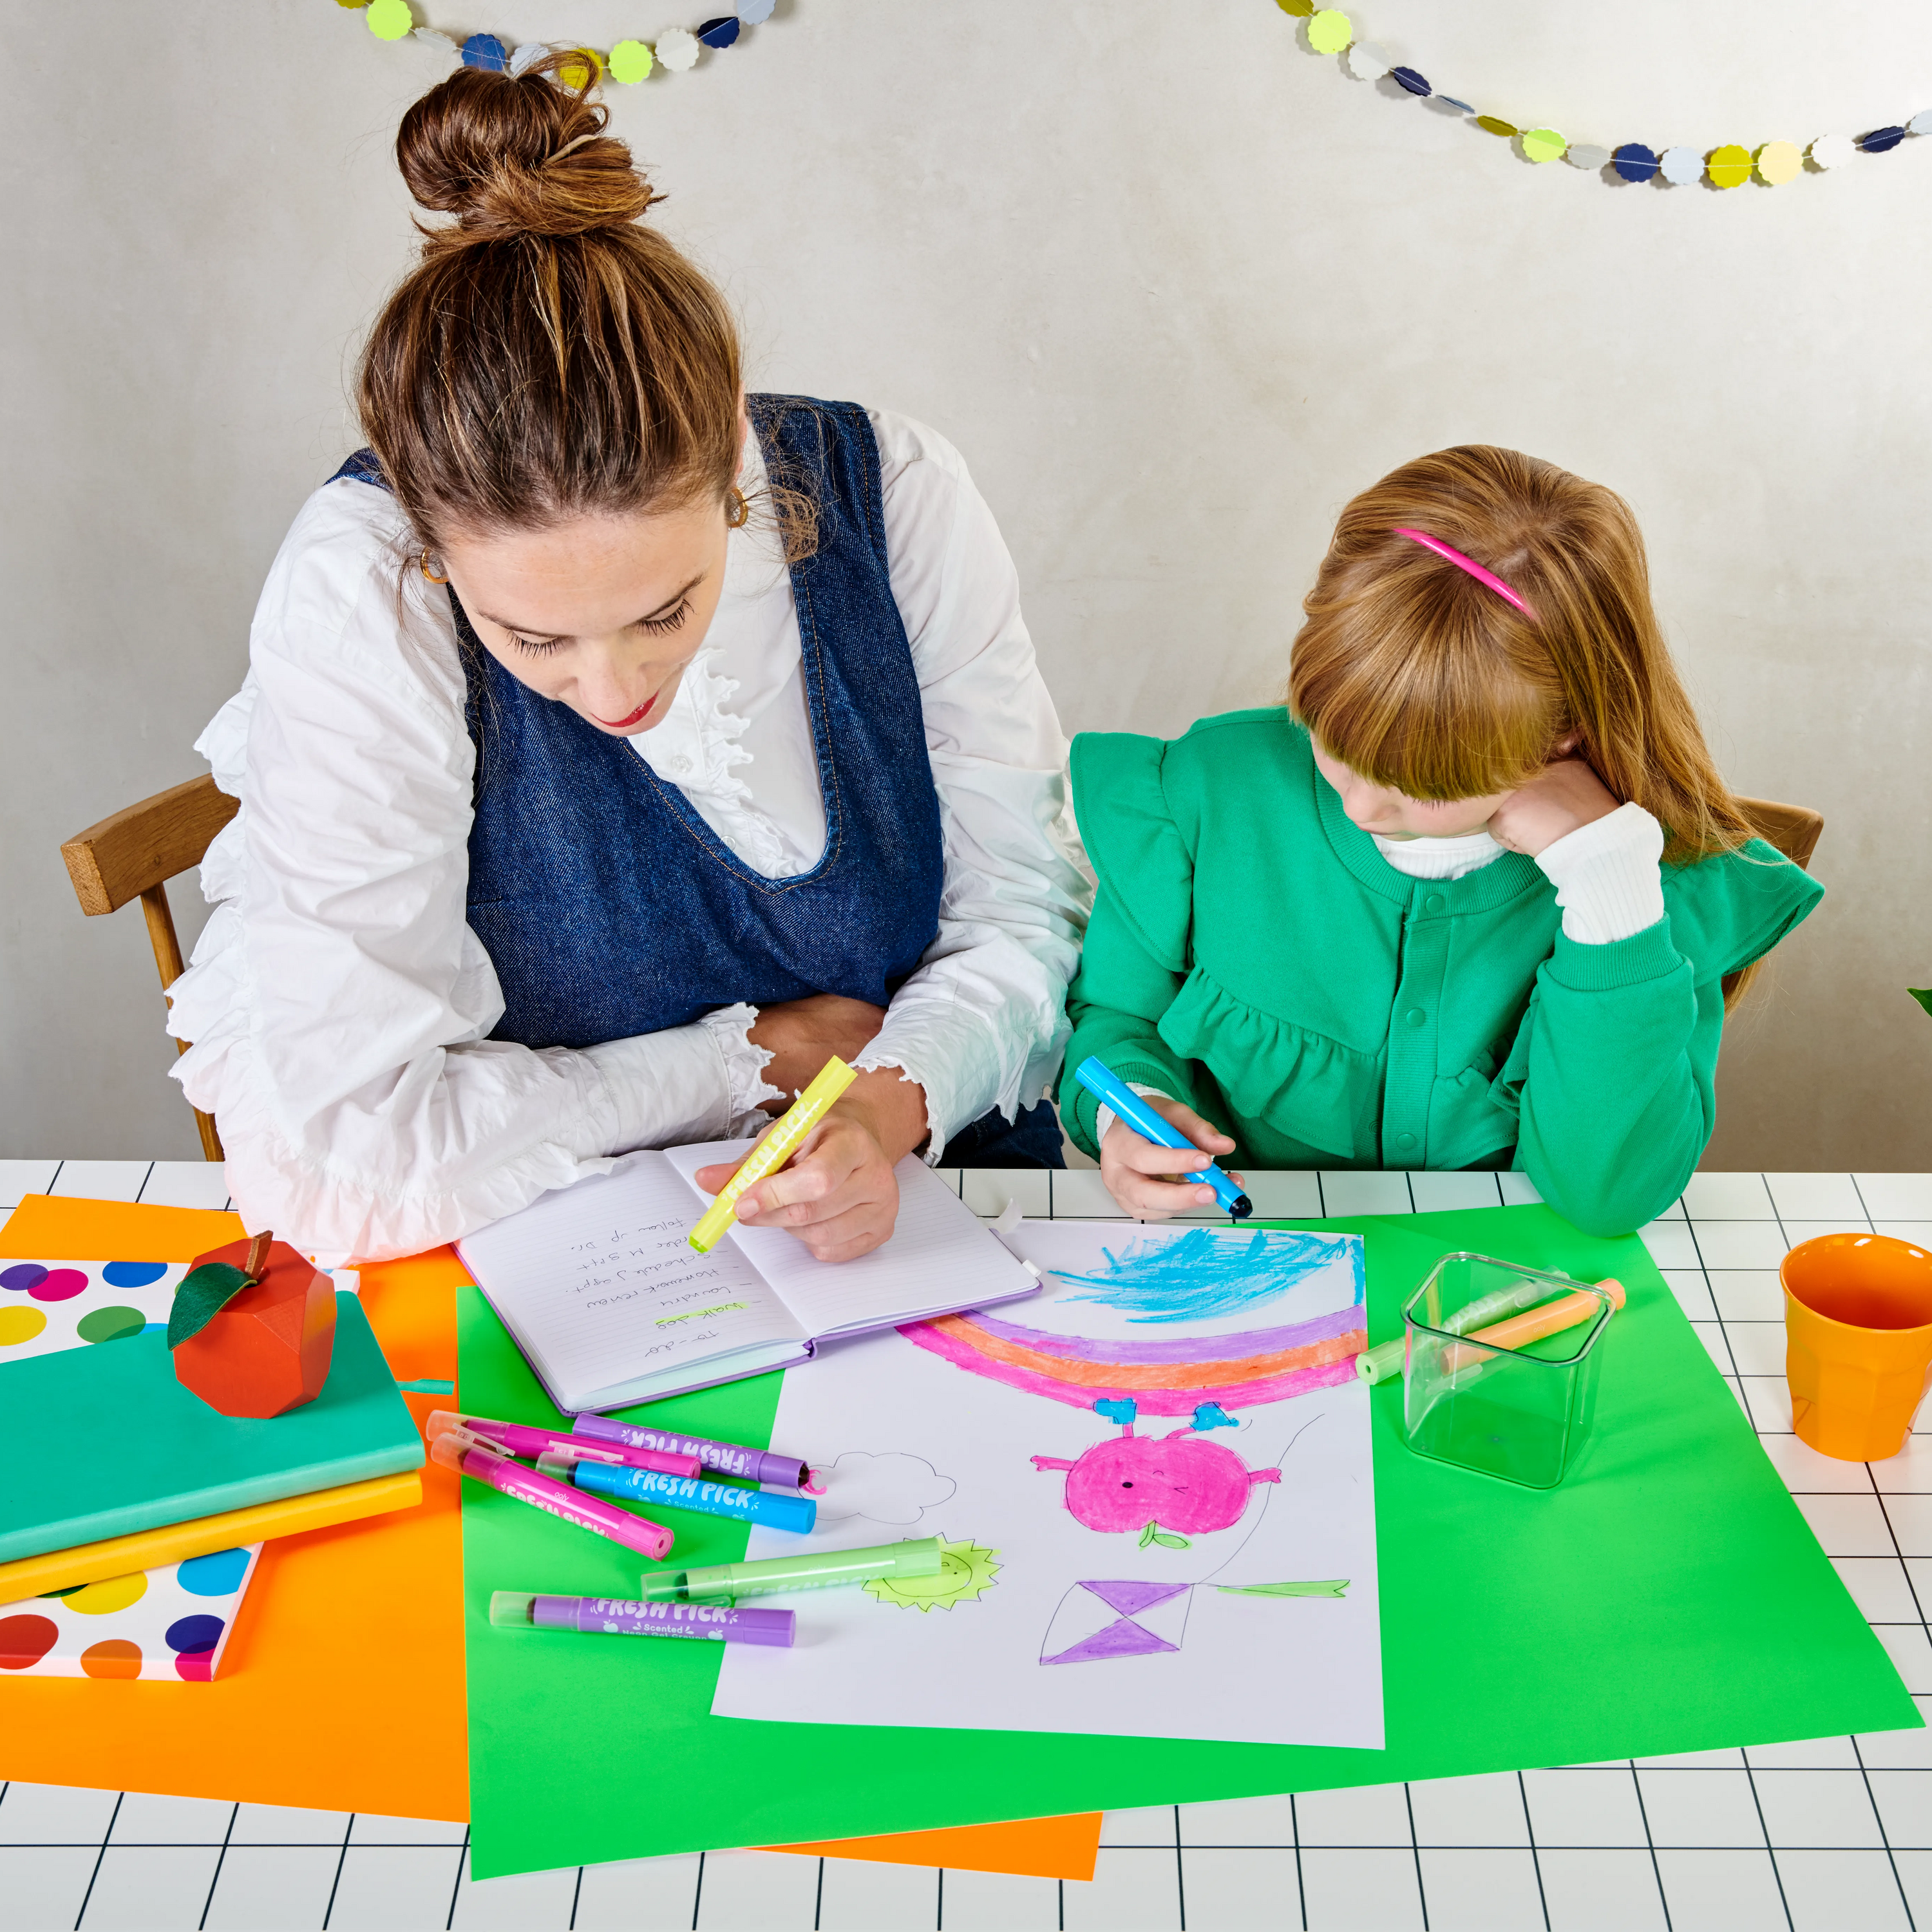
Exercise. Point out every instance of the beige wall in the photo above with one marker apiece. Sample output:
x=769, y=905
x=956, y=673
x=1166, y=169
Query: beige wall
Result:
x=1175, y=286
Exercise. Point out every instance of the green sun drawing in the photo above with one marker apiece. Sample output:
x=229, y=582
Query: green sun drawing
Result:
x=966, y=1570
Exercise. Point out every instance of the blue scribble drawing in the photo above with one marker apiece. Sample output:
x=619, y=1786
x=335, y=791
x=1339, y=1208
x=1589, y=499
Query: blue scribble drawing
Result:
x=1206, y=1274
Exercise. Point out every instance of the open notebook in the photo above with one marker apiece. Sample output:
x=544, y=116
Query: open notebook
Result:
x=599, y=1288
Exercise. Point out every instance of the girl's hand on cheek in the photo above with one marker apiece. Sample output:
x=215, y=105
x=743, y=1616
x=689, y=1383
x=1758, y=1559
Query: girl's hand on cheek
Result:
x=1145, y=1179
x=1564, y=795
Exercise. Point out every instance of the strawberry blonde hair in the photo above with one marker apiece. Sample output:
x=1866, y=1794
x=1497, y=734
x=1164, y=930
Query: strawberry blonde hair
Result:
x=1414, y=673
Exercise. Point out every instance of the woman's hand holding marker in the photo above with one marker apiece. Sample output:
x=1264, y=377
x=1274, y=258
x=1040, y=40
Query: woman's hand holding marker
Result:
x=1142, y=1177
x=838, y=1193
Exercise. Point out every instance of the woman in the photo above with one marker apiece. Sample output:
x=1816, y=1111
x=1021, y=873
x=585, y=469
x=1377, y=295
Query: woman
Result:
x=615, y=749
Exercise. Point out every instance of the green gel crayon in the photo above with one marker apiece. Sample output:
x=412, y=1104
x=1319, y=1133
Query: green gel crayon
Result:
x=725, y=1582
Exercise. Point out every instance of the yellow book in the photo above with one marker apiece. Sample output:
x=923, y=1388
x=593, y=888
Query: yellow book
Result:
x=149, y=1549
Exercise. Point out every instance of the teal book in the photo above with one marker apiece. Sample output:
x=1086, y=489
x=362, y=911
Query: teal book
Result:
x=103, y=1442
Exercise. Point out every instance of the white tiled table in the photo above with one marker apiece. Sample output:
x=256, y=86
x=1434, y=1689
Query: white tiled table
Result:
x=1832, y=1836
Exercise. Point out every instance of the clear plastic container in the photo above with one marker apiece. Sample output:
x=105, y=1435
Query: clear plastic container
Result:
x=1521, y=1414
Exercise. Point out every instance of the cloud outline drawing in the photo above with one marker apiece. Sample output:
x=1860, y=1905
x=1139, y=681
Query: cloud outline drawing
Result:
x=890, y=1487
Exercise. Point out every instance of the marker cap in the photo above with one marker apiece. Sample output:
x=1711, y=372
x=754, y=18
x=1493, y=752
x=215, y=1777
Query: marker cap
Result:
x=553, y=1462
x=453, y=1445
x=512, y=1607
x=440, y=1422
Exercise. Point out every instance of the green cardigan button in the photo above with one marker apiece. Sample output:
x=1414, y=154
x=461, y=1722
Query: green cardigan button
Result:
x=1404, y=1140
x=1415, y=1016
x=1434, y=903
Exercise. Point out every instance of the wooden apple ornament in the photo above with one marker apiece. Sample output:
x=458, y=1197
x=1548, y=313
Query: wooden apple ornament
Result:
x=253, y=1327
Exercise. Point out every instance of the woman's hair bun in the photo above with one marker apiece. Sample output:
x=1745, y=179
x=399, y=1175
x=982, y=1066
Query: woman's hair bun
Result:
x=511, y=154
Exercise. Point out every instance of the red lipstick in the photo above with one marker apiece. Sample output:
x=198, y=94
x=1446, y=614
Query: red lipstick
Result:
x=636, y=717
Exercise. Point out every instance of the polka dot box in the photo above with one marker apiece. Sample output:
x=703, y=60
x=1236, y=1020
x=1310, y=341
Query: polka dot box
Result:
x=173, y=1622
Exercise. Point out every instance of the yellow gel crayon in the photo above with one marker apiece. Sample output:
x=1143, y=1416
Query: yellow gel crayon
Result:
x=773, y=1151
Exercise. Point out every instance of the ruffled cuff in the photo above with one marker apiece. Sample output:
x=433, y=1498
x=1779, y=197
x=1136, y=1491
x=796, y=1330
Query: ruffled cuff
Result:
x=729, y=1028
x=1608, y=876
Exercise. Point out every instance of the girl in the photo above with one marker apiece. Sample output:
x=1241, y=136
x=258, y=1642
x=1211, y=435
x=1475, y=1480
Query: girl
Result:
x=614, y=749
x=1472, y=901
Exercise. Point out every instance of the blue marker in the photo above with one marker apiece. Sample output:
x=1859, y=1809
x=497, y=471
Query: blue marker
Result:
x=1116, y=1093
x=797, y=1513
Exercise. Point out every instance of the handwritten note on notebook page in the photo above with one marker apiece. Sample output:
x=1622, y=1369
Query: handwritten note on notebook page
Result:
x=600, y=1289
x=940, y=1257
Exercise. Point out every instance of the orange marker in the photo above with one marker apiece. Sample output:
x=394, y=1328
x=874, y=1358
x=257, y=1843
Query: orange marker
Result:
x=1517, y=1331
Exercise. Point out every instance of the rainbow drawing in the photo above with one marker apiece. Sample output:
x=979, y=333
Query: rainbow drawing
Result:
x=1172, y=1378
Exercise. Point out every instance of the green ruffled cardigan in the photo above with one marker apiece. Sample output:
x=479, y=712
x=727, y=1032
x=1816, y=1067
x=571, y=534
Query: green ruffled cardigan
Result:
x=1251, y=953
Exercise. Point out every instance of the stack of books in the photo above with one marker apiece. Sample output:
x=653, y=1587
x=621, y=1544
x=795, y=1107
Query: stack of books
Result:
x=131, y=1513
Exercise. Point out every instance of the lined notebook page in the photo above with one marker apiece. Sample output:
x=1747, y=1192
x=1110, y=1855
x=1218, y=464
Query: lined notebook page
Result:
x=940, y=1258
x=599, y=1284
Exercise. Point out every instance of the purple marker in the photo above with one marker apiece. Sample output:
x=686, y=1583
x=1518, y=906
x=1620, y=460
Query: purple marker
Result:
x=728, y=1459
x=485, y=1462
x=796, y=1513
x=712, y=1621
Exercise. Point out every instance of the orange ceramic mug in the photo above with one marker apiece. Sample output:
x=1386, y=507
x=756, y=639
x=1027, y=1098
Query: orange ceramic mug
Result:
x=1858, y=1328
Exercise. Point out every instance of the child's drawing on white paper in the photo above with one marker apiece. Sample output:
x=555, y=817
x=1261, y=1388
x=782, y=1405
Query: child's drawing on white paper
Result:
x=1168, y=1455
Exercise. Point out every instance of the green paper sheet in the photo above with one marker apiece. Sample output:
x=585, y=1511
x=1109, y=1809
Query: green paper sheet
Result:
x=1667, y=1596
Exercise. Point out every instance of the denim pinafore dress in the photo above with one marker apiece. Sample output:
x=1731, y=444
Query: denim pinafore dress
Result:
x=608, y=907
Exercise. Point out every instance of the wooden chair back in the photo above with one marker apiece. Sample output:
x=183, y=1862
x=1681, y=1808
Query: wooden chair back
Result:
x=1793, y=829
x=133, y=855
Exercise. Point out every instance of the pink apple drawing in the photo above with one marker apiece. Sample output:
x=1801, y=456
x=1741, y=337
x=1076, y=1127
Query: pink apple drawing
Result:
x=1170, y=1487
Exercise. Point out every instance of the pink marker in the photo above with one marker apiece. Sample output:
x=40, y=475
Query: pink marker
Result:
x=485, y=1462
x=520, y=1439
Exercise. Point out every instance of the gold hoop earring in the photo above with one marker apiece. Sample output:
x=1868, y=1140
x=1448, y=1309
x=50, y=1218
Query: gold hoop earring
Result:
x=737, y=508
x=422, y=564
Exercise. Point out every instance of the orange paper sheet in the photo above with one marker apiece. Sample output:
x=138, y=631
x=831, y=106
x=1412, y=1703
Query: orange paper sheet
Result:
x=342, y=1688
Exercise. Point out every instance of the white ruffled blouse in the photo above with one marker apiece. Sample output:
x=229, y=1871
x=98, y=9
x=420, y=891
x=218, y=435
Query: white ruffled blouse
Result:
x=339, y=1004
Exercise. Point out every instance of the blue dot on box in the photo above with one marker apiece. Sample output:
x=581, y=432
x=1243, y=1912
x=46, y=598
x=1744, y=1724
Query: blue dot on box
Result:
x=217, y=1574
x=195, y=1632
x=133, y=1274
x=23, y=1278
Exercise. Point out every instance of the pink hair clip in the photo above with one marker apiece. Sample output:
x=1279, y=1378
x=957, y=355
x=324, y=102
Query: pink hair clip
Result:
x=1469, y=563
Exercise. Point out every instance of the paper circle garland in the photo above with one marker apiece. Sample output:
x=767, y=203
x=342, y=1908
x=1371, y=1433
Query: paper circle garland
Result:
x=390, y=19
x=1729, y=167
x=677, y=49
x=630, y=61
x=1330, y=31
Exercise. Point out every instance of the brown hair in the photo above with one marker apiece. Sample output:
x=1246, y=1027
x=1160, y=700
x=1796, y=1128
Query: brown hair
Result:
x=549, y=356
x=1414, y=674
